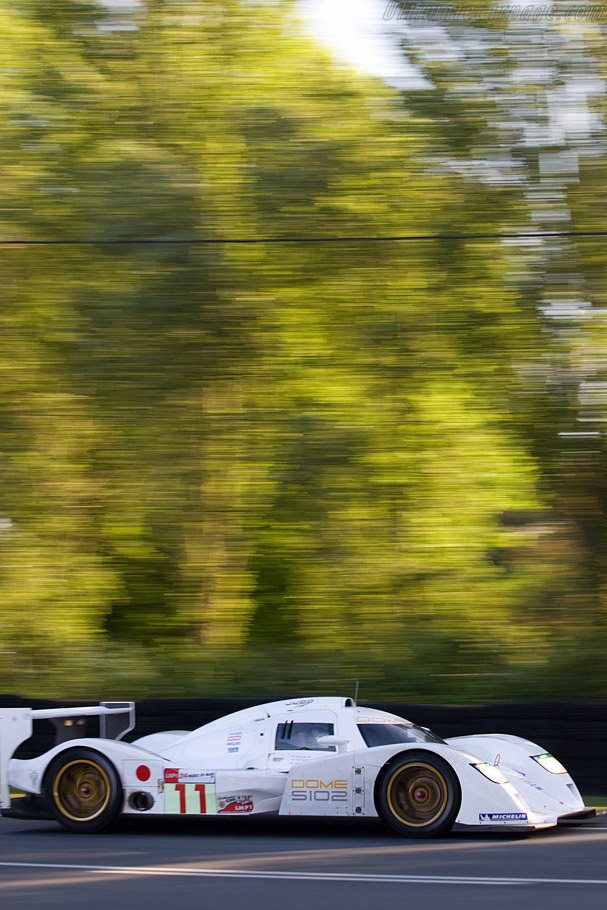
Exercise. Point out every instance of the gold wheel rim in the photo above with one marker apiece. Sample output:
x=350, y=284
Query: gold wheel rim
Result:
x=81, y=790
x=417, y=794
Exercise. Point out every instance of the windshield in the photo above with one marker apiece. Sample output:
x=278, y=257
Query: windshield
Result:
x=387, y=734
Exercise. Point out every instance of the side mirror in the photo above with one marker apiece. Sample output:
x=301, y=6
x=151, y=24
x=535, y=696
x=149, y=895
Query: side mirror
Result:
x=340, y=741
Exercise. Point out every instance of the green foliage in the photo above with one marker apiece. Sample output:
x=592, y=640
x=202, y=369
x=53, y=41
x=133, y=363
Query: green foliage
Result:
x=267, y=468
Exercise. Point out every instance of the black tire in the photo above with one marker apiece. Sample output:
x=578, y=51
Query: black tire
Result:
x=418, y=794
x=82, y=790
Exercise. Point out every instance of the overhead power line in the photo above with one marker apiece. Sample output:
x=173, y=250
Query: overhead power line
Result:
x=217, y=241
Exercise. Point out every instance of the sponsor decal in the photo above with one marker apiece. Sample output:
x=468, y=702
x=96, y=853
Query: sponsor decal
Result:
x=179, y=775
x=299, y=703
x=233, y=742
x=376, y=719
x=318, y=791
x=531, y=783
x=190, y=799
x=228, y=805
x=492, y=817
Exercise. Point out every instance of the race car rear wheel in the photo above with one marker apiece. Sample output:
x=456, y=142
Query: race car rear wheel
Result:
x=418, y=794
x=82, y=790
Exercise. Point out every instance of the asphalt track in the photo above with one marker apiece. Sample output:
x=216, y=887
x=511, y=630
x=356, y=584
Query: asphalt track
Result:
x=298, y=864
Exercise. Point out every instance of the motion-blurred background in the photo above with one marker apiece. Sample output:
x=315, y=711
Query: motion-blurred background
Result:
x=292, y=463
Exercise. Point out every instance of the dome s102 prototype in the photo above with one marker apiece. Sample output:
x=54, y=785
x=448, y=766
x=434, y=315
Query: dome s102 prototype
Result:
x=325, y=757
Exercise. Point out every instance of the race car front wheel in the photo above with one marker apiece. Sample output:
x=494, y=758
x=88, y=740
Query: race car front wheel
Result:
x=82, y=790
x=418, y=794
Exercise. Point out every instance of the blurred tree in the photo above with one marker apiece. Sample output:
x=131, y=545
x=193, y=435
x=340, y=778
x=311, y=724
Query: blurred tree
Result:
x=269, y=466
x=517, y=100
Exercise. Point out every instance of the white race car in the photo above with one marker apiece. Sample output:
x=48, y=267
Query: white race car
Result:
x=307, y=756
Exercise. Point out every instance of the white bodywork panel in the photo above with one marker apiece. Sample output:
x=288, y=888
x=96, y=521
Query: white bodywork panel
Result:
x=15, y=727
x=249, y=762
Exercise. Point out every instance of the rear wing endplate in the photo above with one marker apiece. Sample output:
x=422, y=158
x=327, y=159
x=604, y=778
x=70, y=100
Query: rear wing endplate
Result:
x=116, y=719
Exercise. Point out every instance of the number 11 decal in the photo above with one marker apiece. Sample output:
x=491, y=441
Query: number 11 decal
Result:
x=190, y=799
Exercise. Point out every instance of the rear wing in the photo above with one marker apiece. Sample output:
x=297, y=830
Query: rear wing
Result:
x=116, y=719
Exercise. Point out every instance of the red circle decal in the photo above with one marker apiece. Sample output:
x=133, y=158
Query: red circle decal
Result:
x=143, y=772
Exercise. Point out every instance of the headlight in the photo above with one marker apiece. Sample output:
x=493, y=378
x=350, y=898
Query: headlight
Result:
x=550, y=763
x=492, y=772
